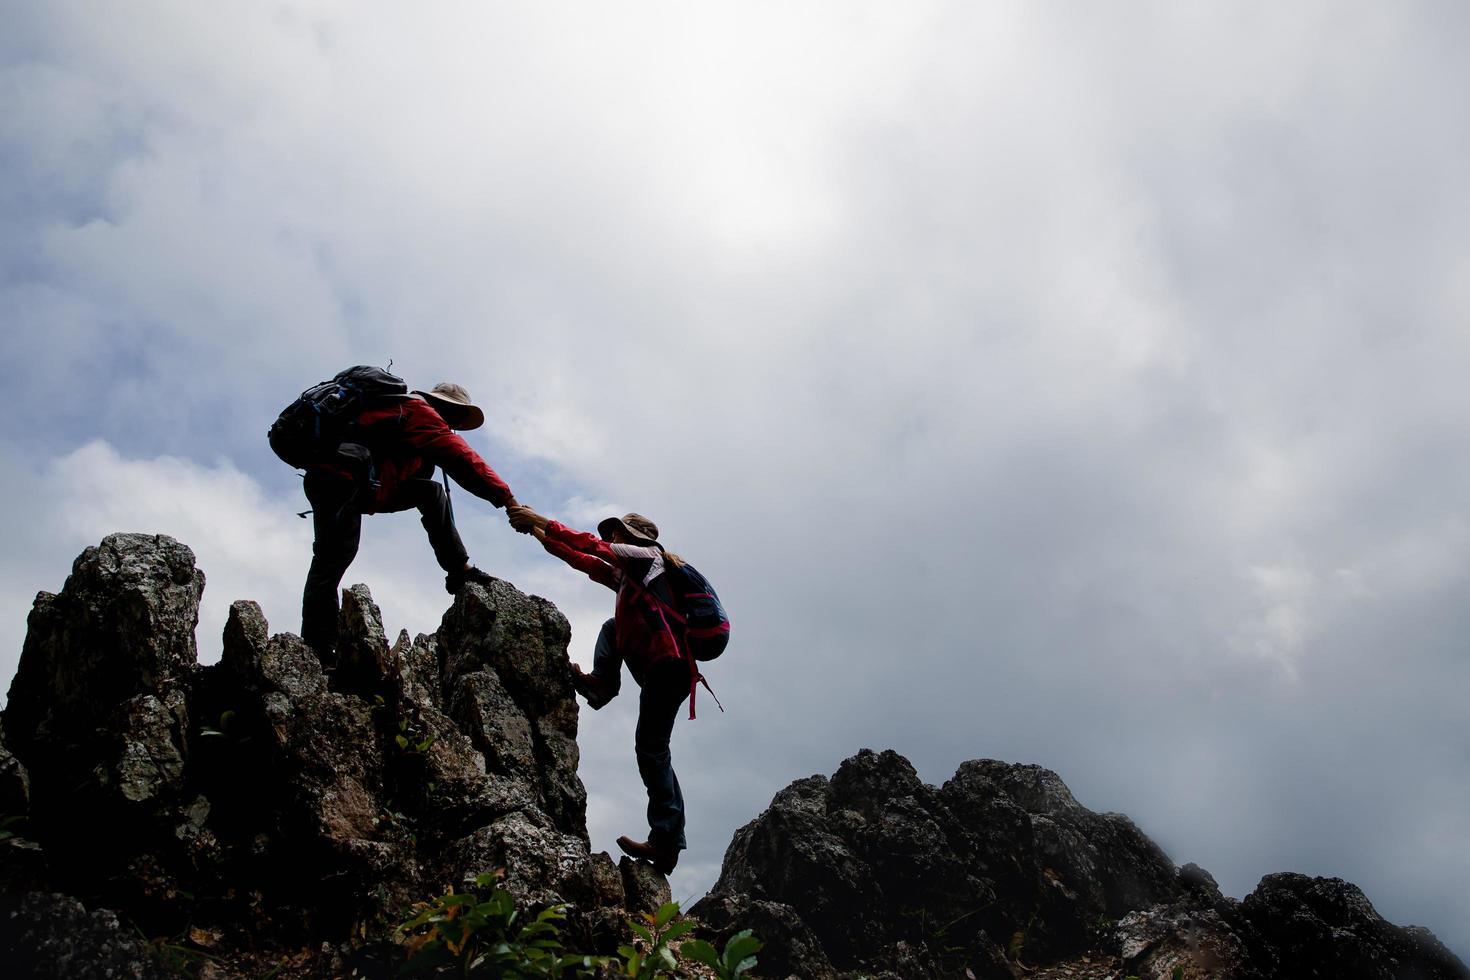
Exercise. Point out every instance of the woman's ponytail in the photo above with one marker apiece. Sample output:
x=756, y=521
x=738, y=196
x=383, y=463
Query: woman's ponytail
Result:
x=669, y=556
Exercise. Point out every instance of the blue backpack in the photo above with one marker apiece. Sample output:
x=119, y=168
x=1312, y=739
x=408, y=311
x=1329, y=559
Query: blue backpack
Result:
x=706, y=624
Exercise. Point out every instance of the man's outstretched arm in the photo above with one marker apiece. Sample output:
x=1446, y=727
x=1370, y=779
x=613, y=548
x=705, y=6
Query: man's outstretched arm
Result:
x=429, y=434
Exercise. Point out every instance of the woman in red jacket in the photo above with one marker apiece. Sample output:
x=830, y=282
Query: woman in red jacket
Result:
x=626, y=557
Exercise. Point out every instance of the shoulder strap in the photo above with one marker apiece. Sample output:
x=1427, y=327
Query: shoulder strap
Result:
x=696, y=677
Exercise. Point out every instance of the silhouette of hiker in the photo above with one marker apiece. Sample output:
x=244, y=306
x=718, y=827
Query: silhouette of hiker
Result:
x=408, y=436
x=628, y=559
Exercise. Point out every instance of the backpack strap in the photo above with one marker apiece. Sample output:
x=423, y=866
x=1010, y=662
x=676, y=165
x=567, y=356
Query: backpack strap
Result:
x=696, y=677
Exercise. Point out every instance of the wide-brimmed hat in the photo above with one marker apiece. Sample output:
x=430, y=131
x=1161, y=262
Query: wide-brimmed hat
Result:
x=635, y=526
x=453, y=402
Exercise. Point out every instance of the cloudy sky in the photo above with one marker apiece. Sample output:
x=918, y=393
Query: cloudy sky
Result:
x=1036, y=382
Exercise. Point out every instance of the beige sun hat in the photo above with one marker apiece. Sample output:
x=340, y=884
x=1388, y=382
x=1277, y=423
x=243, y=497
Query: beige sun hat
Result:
x=453, y=402
x=635, y=526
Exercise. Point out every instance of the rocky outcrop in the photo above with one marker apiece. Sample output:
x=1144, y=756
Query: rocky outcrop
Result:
x=275, y=814
x=1001, y=873
x=272, y=803
x=874, y=868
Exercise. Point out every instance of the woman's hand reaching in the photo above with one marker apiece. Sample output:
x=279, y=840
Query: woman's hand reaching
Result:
x=525, y=520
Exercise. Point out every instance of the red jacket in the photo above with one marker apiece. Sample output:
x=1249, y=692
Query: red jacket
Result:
x=408, y=439
x=644, y=634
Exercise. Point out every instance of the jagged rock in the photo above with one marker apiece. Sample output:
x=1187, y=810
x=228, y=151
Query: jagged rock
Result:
x=417, y=662
x=362, y=658
x=98, y=711
x=791, y=948
x=607, y=881
x=56, y=937
x=122, y=626
x=281, y=814
x=270, y=800
x=1001, y=856
x=1064, y=865
x=1198, y=943
x=542, y=865
x=149, y=764
x=1001, y=871
x=790, y=856
x=507, y=681
x=259, y=662
x=1326, y=927
x=645, y=888
x=15, y=784
x=496, y=725
x=1200, y=886
x=1290, y=926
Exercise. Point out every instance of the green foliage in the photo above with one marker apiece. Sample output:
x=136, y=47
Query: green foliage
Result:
x=410, y=739
x=480, y=933
x=485, y=935
x=657, y=930
x=738, y=957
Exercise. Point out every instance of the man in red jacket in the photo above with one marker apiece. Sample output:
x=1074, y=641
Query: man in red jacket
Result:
x=408, y=437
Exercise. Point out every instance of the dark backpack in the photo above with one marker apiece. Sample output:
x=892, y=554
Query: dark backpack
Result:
x=316, y=427
x=682, y=594
x=706, y=625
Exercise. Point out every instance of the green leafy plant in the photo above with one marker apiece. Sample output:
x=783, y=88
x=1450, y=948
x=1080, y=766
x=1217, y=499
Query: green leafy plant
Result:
x=410, y=739
x=656, y=931
x=735, y=961
x=480, y=933
x=483, y=934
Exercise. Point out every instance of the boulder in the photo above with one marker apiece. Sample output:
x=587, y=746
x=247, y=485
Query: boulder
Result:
x=98, y=714
x=280, y=814
x=56, y=937
x=271, y=801
x=1302, y=926
x=645, y=890
x=1002, y=873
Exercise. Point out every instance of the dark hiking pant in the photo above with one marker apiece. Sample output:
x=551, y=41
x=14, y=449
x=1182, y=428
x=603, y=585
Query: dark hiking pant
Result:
x=338, y=529
x=665, y=685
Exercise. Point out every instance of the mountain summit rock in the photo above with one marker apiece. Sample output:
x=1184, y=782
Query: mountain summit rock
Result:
x=1001, y=874
x=273, y=814
x=272, y=804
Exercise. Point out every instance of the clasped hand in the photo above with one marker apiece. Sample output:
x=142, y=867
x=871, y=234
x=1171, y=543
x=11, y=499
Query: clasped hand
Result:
x=524, y=519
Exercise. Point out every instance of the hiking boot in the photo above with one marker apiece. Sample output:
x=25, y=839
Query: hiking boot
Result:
x=591, y=688
x=662, y=856
x=455, y=581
